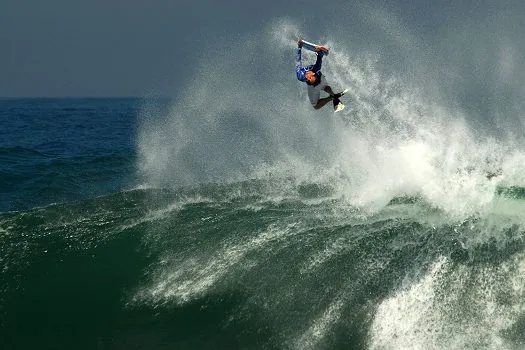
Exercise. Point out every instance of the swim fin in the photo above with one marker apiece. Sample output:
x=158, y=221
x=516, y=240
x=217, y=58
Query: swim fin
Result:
x=340, y=94
x=339, y=107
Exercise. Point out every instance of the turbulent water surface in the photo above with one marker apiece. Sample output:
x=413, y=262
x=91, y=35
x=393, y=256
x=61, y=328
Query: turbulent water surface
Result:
x=256, y=222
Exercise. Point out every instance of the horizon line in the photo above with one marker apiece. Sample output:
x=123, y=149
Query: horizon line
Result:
x=82, y=97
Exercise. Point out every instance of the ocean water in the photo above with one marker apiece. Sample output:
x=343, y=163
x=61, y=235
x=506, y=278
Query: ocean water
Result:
x=222, y=222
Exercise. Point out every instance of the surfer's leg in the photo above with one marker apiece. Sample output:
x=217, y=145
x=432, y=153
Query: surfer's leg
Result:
x=321, y=102
x=329, y=90
x=314, y=94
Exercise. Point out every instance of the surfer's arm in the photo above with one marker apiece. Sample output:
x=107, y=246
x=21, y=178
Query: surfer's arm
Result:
x=298, y=58
x=298, y=67
x=317, y=66
x=298, y=54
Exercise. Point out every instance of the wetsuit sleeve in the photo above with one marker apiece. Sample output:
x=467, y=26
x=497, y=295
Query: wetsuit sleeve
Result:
x=298, y=58
x=298, y=67
x=317, y=66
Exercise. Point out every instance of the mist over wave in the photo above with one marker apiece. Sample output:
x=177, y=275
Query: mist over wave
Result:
x=245, y=116
x=413, y=237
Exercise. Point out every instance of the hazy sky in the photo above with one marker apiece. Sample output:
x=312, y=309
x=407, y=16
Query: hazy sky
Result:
x=133, y=48
x=117, y=47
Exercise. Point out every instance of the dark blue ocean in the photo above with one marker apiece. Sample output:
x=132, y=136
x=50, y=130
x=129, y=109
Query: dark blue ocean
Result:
x=235, y=216
x=61, y=150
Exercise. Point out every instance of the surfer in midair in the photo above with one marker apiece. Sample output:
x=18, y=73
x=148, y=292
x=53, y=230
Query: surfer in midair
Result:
x=315, y=80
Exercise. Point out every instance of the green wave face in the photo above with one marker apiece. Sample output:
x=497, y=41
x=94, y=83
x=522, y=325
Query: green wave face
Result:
x=244, y=265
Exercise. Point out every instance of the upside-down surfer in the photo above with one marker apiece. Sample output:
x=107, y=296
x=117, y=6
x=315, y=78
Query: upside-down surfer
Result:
x=315, y=80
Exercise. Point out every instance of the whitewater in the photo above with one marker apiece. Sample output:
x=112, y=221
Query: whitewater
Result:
x=255, y=221
x=414, y=235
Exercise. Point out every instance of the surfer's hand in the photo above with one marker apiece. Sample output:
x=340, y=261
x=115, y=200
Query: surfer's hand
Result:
x=300, y=43
x=321, y=48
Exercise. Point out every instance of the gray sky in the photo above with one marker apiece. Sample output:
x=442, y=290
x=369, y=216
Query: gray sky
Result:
x=133, y=48
x=115, y=47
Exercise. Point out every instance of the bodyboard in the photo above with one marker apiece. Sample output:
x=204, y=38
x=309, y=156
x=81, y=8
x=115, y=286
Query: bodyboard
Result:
x=311, y=46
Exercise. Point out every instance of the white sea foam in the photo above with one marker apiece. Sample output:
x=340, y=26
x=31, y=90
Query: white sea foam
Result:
x=182, y=281
x=394, y=139
x=320, y=326
x=453, y=307
x=254, y=121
